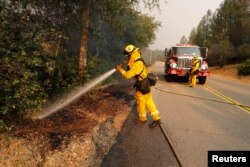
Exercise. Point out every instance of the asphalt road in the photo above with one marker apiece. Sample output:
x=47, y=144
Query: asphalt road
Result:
x=192, y=123
x=139, y=146
x=196, y=125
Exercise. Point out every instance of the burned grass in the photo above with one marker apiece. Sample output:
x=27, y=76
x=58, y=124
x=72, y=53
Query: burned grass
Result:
x=71, y=136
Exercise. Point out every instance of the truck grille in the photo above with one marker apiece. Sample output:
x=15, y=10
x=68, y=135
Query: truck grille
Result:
x=185, y=62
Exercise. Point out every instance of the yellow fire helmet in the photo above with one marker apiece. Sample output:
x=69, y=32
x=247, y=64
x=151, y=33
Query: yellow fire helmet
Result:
x=129, y=49
x=195, y=58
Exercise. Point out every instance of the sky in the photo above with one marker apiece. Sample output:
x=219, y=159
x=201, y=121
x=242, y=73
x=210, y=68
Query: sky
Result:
x=178, y=18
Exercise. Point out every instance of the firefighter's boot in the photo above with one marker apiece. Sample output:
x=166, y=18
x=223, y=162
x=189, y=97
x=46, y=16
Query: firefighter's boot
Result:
x=155, y=123
x=138, y=120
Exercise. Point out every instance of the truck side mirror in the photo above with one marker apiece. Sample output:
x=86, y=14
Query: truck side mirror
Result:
x=204, y=52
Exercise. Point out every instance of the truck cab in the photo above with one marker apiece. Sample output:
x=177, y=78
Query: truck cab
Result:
x=178, y=61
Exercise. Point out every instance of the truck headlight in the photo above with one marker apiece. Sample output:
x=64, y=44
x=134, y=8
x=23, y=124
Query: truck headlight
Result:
x=173, y=65
x=204, y=66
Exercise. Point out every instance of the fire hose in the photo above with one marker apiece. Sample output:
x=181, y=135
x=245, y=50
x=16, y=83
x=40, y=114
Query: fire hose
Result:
x=246, y=107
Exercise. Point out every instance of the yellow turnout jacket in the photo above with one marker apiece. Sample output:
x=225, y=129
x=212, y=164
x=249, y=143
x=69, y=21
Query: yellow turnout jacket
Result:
x=135, y=67
x=195, y=66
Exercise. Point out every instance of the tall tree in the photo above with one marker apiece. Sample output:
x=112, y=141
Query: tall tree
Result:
x=192, y=36
x=104, y=6
x=203, y=30
x=84, y=37
x=229, y=21
x=183, y=40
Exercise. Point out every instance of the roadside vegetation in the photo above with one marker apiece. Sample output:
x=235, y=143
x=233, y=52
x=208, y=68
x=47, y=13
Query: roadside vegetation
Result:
x=48, y=47
x=244, y=68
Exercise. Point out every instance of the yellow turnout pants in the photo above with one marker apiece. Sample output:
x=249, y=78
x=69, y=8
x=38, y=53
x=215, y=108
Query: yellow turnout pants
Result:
x=192, y=80
x=146, y=102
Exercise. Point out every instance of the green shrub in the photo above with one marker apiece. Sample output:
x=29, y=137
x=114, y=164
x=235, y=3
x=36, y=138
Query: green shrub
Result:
x=244, y=52
x=28, y=73
x=95, y=67
x=244, y=68
x=2, y=125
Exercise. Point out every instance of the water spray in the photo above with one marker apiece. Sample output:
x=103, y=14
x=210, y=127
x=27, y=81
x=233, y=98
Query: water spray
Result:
x=74, y=95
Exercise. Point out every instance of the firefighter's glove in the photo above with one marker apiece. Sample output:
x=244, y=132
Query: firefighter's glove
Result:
x=119, y=68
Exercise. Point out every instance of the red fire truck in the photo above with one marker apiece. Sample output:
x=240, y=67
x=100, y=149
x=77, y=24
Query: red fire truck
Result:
x=178, y=60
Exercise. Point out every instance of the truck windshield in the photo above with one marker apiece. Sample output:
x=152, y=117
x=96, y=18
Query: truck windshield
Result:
x=187, y=51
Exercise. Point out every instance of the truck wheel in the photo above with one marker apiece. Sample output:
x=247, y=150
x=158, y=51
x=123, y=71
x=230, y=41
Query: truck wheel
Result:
x=202, y=80
x=168, y=78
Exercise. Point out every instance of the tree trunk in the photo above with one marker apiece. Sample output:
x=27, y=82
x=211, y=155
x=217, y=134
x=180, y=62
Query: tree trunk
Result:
x=84, y=37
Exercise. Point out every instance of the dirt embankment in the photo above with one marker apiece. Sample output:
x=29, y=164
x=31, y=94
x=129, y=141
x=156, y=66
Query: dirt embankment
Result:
x=229, y=72
x=78, y=135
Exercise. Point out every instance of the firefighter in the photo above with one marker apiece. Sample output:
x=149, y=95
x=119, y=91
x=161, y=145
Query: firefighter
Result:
x=144, y=100
x=194, y=70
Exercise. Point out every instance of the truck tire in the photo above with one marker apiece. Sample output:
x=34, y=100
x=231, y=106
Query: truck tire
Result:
x=168, y=78
x=202, y=80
